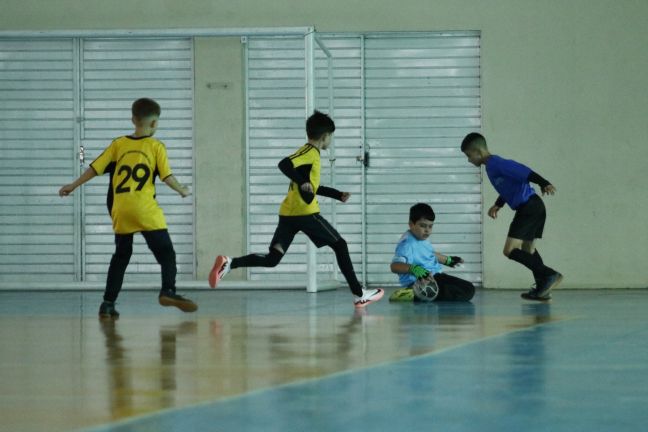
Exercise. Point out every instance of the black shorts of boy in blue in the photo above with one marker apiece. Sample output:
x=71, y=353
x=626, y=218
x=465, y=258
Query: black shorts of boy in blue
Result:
x=511, y=180
x=415, y=258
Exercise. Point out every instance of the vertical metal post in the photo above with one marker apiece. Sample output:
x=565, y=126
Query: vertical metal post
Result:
x=309, y=54
x=331, y=152
x=78, y=164
x=194, y=222
x=332, y=158
x=79, y=203
x=246, y=87
x=363, y=167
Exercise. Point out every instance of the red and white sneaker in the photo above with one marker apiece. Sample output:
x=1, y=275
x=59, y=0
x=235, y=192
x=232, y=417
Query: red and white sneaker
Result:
x=368, y=296
x=221, y=268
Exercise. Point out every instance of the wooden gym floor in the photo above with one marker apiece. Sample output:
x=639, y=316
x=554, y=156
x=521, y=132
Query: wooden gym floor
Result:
x=292, y=361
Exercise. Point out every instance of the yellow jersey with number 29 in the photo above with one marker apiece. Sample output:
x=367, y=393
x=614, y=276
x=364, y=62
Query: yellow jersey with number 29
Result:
x=133, y=164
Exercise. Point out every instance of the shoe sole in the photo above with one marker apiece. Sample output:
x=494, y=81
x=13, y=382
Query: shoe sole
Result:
x=381, y=293
x=526, y=296
x=184, y=306
x=213, y=274
x=553, y=285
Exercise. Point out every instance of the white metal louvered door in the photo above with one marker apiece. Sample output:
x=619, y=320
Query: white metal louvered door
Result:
x=38, y=235
x=345, y=172
x=411, y=98
x=115, y=72
x=276, y=128
x=422, y=97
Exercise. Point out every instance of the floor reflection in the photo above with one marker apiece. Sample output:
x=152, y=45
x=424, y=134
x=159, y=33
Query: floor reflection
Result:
x=119, y=371
x=136, y=383
x=150, y=360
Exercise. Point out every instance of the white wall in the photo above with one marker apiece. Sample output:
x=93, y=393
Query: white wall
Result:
x=564, y=90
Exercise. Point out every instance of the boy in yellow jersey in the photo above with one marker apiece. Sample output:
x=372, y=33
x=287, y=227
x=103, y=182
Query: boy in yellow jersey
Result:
x=300, y=212
x=133, y=163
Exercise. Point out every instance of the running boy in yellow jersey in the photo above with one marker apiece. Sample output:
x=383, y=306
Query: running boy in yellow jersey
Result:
x=300, y=212
x=133, y=163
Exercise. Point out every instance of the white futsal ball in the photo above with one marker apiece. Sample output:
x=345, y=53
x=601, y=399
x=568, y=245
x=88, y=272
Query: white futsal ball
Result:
x=425, y=290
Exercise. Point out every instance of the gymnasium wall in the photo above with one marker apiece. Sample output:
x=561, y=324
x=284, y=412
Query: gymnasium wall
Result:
x=564, y=90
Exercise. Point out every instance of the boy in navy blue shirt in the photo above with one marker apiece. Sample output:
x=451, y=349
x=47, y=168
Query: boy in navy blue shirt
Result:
x=511, y=180
x=415, y=259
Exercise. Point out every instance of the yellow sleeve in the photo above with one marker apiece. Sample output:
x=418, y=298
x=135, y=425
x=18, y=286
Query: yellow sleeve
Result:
x=162, y=162
x=101, y=163
x=306, y=155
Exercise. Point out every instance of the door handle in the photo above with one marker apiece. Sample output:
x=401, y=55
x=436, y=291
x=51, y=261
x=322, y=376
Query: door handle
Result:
x=364, y=159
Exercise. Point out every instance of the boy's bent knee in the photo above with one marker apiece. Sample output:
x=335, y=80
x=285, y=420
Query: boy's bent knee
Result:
x=273, y=258
x=278, y=248
x=340, y=245
x=508, y=250
x=512, y=244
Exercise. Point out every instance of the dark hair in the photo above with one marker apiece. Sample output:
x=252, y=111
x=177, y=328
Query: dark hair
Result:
x=473, y=139
x=319, y=124
x=421, y=211
x=145, y=107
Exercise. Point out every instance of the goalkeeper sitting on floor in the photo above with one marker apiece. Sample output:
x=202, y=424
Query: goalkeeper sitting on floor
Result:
x=416, y=260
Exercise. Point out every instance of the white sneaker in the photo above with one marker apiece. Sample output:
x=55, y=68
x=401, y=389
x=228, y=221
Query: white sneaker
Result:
x=368, y=296
x=221, y=267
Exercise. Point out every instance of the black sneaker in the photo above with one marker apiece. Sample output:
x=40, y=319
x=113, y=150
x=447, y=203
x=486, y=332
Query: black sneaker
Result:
x=533, y=295
x=107, y=310
x=170, y=298
x=549, y=283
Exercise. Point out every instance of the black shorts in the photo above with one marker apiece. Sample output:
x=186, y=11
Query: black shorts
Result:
x=452, y=288
x=318, y=230
x=529, y=220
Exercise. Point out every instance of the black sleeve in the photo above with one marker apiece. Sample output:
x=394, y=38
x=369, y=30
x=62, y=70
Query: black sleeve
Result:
x=329, y=192
x=536, y=178
x=500, y=201
x=289, y=171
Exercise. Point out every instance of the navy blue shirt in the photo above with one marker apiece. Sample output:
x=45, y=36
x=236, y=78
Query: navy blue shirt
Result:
x=510, y=179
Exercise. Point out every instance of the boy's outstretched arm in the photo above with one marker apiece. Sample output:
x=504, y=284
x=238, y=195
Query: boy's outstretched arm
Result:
x=522, y=172
x=545, y=186
x=416, y=270
x=333, y=193
x=69, y=188
x=174, y=184
x=450, y=261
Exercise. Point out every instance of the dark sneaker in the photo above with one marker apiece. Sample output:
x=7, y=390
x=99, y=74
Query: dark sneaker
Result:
x=107, y=310
x=169, y=298
x=533, y=295
x=549, y=283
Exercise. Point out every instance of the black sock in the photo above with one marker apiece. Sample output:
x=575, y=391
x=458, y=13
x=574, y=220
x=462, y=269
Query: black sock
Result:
x=346, y=266
x=532, y=262
x=258, y=260
x=536, y=255
x=549, y=269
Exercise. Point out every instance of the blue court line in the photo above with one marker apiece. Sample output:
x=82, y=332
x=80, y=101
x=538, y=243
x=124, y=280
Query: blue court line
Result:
x=520, y=380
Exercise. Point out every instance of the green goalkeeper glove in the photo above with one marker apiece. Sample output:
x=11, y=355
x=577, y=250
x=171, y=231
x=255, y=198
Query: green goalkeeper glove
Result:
x=453, y=261
x=418, y=271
